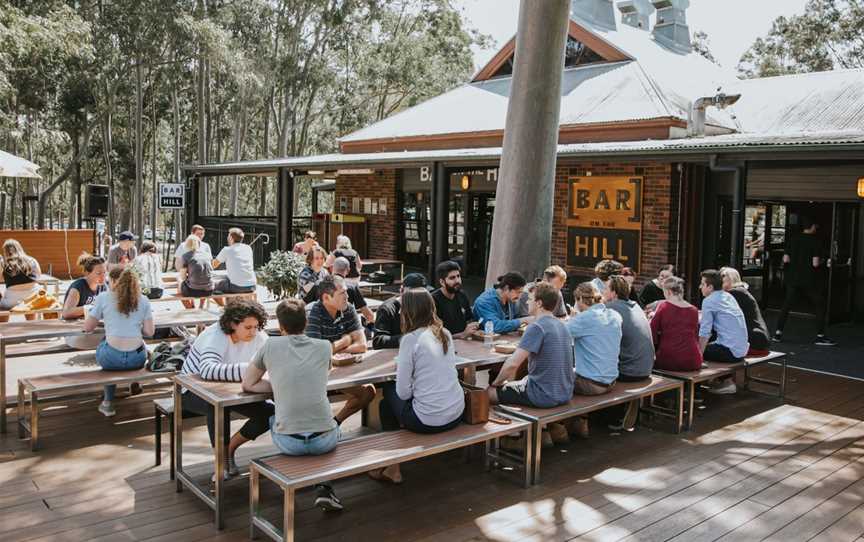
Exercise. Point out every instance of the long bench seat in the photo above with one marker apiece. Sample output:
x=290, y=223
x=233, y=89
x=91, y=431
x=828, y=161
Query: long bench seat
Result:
x=713, y=369
x=580, y=405
x=52, y=387
x=361, y=455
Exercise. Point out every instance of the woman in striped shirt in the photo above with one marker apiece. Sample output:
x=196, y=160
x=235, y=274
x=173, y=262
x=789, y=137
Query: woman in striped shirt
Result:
x=221, y=353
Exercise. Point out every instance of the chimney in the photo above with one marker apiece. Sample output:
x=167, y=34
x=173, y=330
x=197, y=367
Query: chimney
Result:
x=599, y=13
x=671, y=28
x=636, y=13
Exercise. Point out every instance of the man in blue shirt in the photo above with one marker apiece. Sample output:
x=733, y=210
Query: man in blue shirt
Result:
x=721, y=317
x=498, y=304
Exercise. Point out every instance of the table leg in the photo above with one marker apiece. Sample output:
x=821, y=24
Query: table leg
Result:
x=34, y=421
x=20, y=424
x=219, y=449
x=691, y=404
x=177, y=449
x=2, y=385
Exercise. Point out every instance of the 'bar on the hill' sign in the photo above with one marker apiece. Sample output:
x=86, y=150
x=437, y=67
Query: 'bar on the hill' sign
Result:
x=604, y=220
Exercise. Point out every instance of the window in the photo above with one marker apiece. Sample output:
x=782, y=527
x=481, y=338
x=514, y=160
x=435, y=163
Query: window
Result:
x=576, y=54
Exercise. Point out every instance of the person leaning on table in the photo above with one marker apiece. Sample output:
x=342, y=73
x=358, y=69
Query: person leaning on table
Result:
x=20, y=273
x=222, y=353
x=298, y=367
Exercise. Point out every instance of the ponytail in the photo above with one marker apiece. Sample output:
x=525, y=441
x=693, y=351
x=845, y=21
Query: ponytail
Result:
x=87, y=261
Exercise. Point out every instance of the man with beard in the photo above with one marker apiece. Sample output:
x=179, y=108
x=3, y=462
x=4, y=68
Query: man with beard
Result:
x=451, y=303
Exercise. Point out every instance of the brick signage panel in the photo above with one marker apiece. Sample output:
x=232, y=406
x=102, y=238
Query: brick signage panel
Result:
x=604, y=220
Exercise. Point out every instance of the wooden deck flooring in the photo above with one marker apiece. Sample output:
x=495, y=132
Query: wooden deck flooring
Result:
x=754, y=469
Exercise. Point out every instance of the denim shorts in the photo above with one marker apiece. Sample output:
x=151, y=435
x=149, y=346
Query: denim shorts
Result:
x=291, y=445
x=111, y=359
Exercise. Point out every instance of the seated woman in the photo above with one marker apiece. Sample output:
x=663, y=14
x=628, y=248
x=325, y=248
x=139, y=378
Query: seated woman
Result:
x=498, y=304
x=298, y=367
x=675, y=330
x=757, y=330
x=82, y=293
x=149, y=265
x=20, y=273
x=427, y=396
x=127, y=318
x=222, y=352
x=630, y=276
x=196, y=272
x=312, y=274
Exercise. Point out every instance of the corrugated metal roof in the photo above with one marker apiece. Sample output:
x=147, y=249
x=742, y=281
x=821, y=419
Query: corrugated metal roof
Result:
x=845, y=140
x=806, y=102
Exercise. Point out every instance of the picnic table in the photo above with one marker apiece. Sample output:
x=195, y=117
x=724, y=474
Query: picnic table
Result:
x=377, y=366
x=20, y=332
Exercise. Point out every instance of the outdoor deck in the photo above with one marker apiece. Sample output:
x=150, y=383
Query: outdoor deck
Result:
x=754, y=468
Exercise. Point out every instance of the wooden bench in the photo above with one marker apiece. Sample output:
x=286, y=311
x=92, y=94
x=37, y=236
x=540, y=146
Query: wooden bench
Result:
x=361, y=455
x=580, y=405
x=714, y=369
x=53, y=387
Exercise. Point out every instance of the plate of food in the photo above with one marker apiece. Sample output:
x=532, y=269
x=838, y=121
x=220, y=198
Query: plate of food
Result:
x=343, y=359
x=504, y=347
x=480, y=335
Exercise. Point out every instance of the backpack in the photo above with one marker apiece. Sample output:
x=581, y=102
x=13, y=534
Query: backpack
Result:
x=168, y=358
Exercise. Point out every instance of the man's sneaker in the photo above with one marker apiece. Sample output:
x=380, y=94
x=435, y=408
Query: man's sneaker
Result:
x=559, y=433
x=822, y=340
x=326, y=499
x=231, y=468
x=725, y=388
x=135, y=389
x=546, y=439
x=777, y=337
x=107, y=408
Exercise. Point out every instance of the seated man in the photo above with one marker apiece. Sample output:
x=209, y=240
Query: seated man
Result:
x=557, y=277
x=334, y=320
x=451, y=303
x=546, y=346
x=636, y=359
x=238, y=260
x=341, y=267
x=388, y=321
x=498, y=304
x=122, y=254
x=603, y=270
x=722, y=317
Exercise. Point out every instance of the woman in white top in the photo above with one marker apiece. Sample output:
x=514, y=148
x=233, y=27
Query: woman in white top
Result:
x=149, y=266
x=222, y=352
x=427, y=396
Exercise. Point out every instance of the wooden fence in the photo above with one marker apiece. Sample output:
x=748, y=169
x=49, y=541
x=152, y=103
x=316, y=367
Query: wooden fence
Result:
x=55, y=250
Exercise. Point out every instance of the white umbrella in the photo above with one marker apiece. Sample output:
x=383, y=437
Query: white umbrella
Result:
x=14, y=166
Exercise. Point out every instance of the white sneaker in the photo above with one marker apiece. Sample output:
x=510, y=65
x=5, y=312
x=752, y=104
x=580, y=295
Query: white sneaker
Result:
x=107, y=409
x=729, y=388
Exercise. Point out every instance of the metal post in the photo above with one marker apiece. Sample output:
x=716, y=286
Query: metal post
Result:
x=285, y=209
x=440, y=217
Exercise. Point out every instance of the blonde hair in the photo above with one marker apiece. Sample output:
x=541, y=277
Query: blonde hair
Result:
x=418, y=310
x=734, y=277
x=587, y=294
x=675, y=285
x=127, y=289
x=343, y=241
x=192, y=243
x=15, y=260
x=555, y=271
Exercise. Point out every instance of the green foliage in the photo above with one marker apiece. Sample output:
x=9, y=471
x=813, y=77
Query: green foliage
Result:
x=828, y=35
x=280, y=275
x=702, y=45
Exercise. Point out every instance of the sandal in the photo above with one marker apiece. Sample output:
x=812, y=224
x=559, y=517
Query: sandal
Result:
x=378, y=475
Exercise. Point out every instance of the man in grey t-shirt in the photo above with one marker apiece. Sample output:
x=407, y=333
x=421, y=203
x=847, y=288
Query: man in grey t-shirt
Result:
x=637, y=345
x=122, y=254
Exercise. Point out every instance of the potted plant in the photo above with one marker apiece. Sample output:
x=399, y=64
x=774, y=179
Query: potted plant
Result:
x=281, y=274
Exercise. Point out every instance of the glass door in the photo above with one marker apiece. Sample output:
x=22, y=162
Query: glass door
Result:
x=840, y=264
x=481, y=210
x=416, y=229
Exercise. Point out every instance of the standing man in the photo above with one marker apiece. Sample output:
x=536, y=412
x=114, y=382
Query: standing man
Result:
x=333, y=319
x=122, y=254
x=237, y=257
x=804, y=280
x=197, y=231
x=451, y=303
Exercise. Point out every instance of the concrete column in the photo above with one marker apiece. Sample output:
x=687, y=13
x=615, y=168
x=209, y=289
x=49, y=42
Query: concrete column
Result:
x=522, y=226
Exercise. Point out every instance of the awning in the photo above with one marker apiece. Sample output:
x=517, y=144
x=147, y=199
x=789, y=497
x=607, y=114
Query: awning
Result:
x=15, y=166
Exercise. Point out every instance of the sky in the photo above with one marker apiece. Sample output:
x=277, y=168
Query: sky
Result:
x=732, y=25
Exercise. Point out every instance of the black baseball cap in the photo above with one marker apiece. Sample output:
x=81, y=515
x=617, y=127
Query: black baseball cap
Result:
x=414, y=280
x=126, y=236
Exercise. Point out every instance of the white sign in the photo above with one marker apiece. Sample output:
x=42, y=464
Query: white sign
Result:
x=172, y=196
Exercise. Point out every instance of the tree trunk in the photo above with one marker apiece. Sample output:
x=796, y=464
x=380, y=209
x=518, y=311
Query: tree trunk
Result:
x=522, y=225
x=109, y=172
x=154, y=203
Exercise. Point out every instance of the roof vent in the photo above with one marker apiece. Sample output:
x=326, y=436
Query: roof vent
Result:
x=636, y=13
x=671, y=29
x=600, y=13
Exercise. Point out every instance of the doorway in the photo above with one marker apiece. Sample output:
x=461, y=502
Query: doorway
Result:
x=769, y=228
x=478, y=231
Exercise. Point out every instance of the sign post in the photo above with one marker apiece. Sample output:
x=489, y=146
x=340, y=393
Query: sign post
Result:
x=172, y=196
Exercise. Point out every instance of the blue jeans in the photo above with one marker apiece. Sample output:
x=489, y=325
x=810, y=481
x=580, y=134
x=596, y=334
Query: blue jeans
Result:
x=291, y=445
x=111, y=359
x=396, y=412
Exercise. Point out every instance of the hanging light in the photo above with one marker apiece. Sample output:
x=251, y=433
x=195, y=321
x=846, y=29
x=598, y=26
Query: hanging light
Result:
x=466, y=184
x=861, y=187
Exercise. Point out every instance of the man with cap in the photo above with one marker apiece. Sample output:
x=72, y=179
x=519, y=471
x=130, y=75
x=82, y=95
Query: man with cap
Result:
x=122, y=254
x=388, y=321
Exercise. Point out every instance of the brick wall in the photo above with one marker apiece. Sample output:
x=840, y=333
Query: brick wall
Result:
x=656, y=212
x=381, y=229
